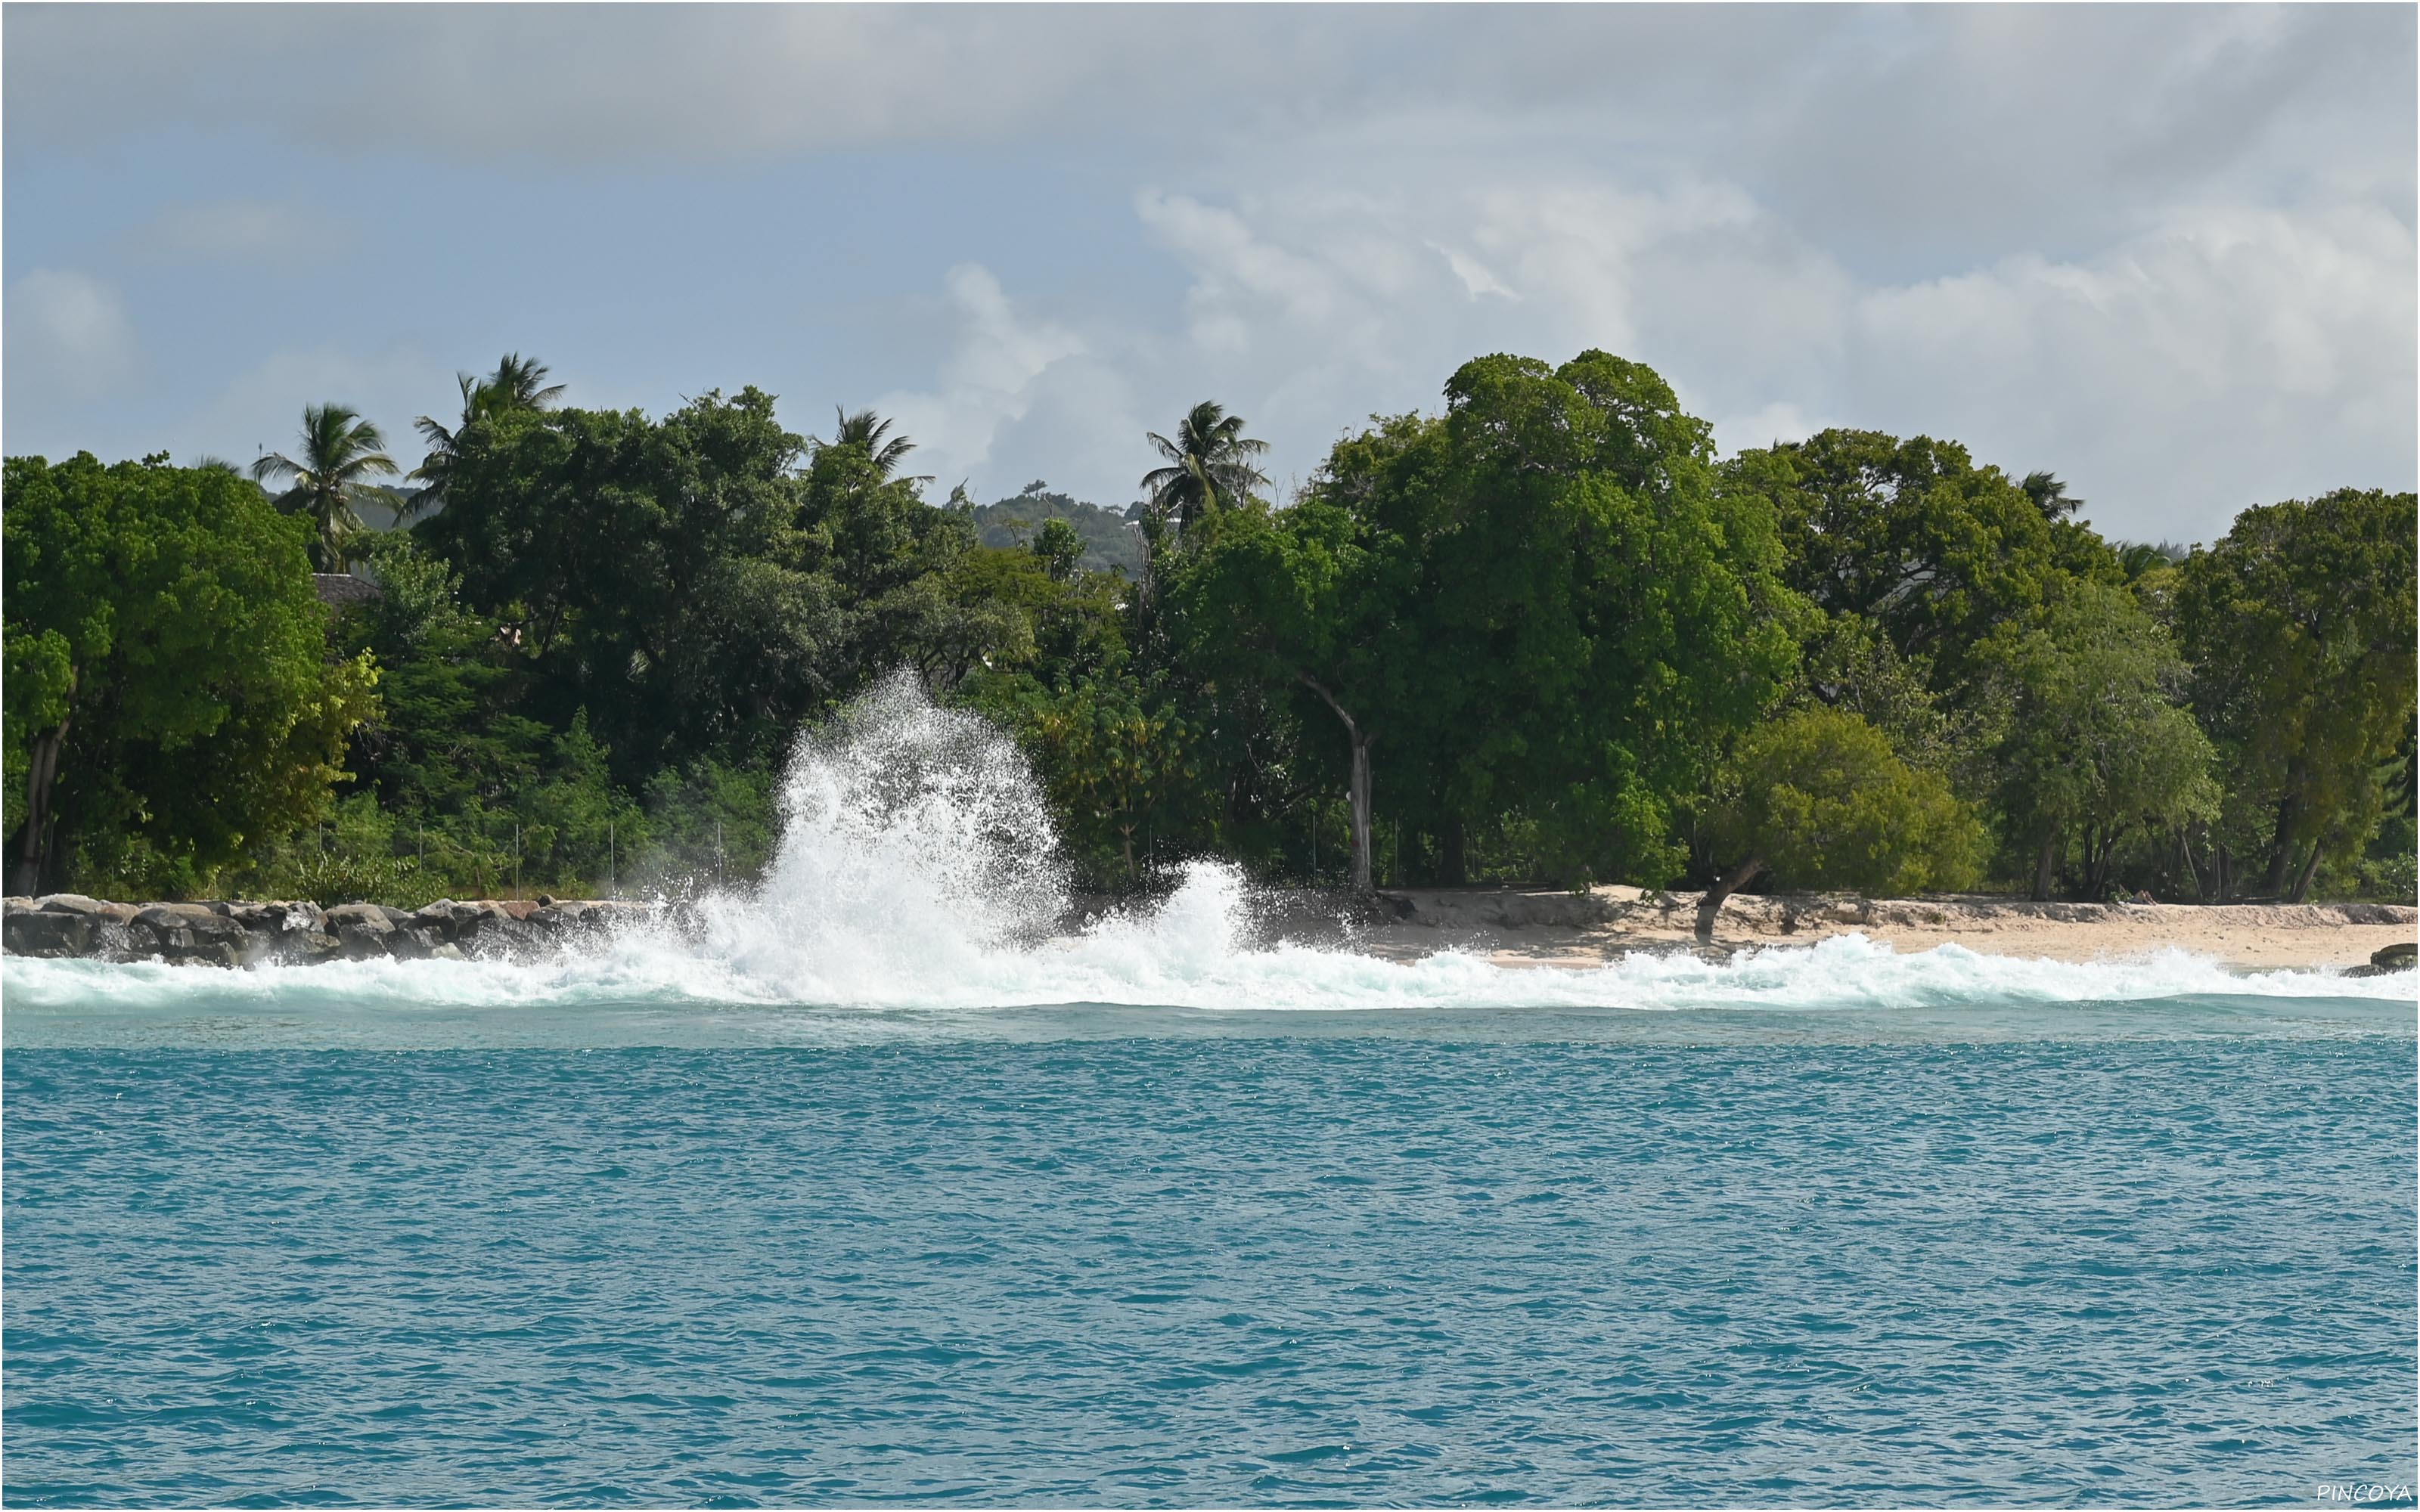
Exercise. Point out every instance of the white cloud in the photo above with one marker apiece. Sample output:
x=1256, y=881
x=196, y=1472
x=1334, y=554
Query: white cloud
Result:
x=68, y=337
x=1474, y=275
x=2232, y=357
x=261, y=408
x=2225, y=357
x=987, y=381
x=2167, y=252
x=243, y=231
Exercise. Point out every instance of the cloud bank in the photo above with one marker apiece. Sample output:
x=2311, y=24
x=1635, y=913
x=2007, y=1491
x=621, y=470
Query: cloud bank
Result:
x=2167, y=252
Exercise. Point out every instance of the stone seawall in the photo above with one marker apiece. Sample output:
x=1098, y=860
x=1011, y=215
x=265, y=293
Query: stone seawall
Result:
x=1408, y=922
x=239, y=933
x=1789, y=913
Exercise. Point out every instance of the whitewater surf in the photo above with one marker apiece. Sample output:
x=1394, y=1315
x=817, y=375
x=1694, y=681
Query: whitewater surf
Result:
x=919, y=870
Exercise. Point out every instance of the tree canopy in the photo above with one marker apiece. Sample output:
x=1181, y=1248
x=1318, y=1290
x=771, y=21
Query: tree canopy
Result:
x=171, y=699
x=2299, y=623
x=340, y=452
x=1539, y=633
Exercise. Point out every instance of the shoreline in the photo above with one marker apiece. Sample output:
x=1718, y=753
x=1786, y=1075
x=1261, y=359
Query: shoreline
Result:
x=1536, y=926
x=1510, y=927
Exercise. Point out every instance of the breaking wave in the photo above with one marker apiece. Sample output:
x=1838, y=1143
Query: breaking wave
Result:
x=919, y=869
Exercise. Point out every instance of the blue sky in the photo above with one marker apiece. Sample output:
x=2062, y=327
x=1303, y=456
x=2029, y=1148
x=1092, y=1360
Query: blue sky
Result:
x=2167, y=252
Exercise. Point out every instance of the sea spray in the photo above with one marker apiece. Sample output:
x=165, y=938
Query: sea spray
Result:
x=919, y=870
x=915, y=843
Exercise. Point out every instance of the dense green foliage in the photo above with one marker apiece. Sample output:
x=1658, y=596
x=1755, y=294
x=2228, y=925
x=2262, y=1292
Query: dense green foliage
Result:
x=1543, y=635
x=172, y=702
x=2298, y=621
x=2096, y=746
x=1818, y=799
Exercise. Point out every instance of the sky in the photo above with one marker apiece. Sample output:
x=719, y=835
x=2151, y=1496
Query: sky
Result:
x=2166, y=251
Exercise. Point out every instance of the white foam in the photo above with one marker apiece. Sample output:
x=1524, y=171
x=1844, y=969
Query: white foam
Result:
x=919, y=869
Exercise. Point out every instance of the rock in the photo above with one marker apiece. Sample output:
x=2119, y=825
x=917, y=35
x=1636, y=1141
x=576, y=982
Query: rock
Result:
x=178, y=915
x=2400, y=956
x=504, y=936
x=241, y=931
x=309, y=946
x=70, y=903
x=2375, y=914
x=189, y=932
x=42, y=931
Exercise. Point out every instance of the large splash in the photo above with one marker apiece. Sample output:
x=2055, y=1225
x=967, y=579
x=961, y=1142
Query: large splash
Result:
x=919, y=869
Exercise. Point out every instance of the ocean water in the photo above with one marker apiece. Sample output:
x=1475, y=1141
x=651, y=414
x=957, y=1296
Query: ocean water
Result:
x=871, y=1192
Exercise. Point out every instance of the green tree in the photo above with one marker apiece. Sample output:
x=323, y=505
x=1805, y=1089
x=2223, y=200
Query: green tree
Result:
x=2096, y=745
x=870, y=434
x=2300, y=625
x=1059, y=548
x=2050, y=495
x=1819, y=799
x=1537, y=601
x=518, y=383
x=1113, y=758
x=450, y=739
x=653, y=573
x=170, y=698
x=1210, y=465
x=1308, y=599
x=1915, y=539
x=339, y=450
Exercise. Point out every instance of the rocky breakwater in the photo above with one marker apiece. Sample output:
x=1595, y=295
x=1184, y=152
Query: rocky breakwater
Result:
x=243, y=933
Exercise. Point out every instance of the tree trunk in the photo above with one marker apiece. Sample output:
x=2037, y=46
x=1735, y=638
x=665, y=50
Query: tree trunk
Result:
x=1361, y=744
x=34, y=868
x=1711, y=904
x=1454, y=868
x=1127, y=833
x=2281, y=849
x=2045, y=867
x=1360, y=807
x=2310, y=867
x=2100, y=848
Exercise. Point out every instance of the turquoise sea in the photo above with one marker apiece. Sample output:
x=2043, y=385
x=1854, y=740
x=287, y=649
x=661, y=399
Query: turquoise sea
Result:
x=865, y=1191
x=2158, y=1251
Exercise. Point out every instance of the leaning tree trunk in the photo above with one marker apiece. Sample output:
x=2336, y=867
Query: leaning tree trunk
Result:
x=2281, y=850
x=1731, y=882
x=1361, y=741
x=2046, y=867
x=31, y=869
x=2302, y=892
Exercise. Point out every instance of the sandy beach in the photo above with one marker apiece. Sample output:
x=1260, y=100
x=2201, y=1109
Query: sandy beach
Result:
x=1535, y=927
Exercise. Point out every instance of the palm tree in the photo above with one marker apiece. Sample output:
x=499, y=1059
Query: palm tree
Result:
x=339, y=450
x=865, y=428
x=2049, y=495
x=1209, y=465
x=520, y=383
x=2136, y=558
x=517, y=383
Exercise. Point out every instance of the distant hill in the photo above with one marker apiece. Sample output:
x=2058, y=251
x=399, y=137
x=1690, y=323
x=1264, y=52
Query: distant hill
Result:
x=380, y=507
x=1110, y=544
